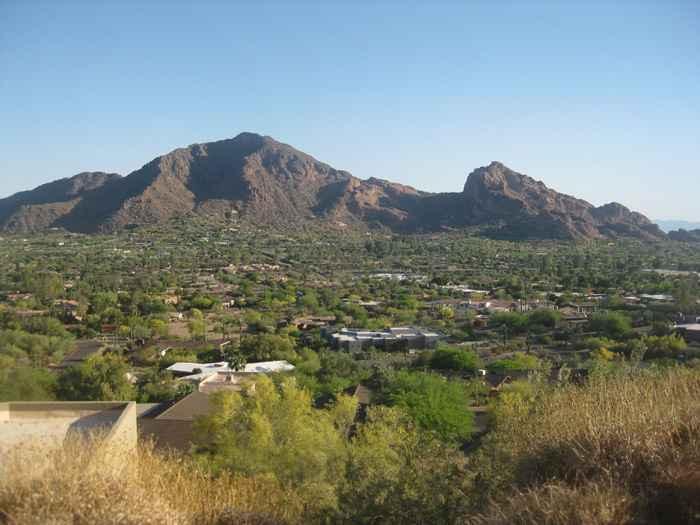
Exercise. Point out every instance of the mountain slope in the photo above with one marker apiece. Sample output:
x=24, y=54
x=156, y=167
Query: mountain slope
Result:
x=258, y=179
x=43, y=206
x=528, y=207
x=683, y=235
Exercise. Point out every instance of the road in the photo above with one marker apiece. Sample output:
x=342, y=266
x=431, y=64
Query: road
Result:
x=75, y=358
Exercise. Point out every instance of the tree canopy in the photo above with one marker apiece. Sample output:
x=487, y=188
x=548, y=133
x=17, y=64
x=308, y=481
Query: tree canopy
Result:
x=433, y=402
x=275, y=434
x=101, y=378
x=454, y=359
x=610, y=324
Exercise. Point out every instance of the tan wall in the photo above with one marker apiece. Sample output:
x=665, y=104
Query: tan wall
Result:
x=118, y=417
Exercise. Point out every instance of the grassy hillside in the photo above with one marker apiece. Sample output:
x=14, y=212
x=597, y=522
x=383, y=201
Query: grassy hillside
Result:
x=625, y=448
x=84, y=482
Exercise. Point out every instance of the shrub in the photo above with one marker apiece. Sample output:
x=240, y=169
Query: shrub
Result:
x=504, y=364
x=454, y=359
x=630, y=435
x=84, y=481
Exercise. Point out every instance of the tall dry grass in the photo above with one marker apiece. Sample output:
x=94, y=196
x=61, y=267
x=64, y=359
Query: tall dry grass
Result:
x=623, y=449
x=85, y=482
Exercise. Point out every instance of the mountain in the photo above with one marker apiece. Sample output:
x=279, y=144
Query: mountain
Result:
x=526, y=207
x=667, y=226
x=683, y=235
x=257, y=179
x=43, y=206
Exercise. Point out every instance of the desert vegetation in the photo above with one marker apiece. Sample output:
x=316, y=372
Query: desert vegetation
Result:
x=621, y=449
x=590, y=415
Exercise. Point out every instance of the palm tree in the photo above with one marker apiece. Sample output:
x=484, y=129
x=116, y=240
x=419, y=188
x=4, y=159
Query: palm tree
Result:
x=236, y=360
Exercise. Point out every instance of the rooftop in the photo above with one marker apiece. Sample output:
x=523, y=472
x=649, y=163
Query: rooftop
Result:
x=50, y=423
x=207, y=369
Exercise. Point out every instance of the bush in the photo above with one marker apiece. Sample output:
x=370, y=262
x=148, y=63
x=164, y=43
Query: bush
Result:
x=454, y=359
x=505, y=364
x=612, y=325
x=544, y=340
x=84, y=481
x=631, y=434
x=433, y=402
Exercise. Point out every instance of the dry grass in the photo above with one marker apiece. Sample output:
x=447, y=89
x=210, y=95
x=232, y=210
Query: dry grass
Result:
x=554, y=504
x=86, y=482
x=620, y=450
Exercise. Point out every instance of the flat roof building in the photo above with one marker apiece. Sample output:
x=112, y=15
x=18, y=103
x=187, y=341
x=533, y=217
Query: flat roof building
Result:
x=393, y=339
x=52, y=422
x=34, y=431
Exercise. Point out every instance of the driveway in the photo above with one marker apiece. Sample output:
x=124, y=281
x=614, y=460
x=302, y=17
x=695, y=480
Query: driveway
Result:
x=75, y=358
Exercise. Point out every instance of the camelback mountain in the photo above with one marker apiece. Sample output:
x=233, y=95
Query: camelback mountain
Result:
x=256, y=179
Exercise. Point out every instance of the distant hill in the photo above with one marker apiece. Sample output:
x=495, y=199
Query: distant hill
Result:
x=667, y=226
x=683, y=235
x=256, y=179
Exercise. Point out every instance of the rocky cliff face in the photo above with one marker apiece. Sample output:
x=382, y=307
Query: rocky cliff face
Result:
x=528, y=207
x=257, y=179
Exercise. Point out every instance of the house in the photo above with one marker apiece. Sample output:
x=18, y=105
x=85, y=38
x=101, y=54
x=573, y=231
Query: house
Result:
x=572, y=318
x=164, y=346
x=233, y=380
x=170, y=425
x=463, y=288
x=647, y=298
x=690, y=332
x=187, y=370
x=67, y=304
x=310, y=321
x=49, y=424
x=456, y=305
x=168, y=298
x=398, y=338
x=497, y=379
x=26, y=314
x=496, y=305
x=587, y=308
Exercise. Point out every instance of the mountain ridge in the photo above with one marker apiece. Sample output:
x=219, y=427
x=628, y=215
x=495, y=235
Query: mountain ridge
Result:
x=255, y=178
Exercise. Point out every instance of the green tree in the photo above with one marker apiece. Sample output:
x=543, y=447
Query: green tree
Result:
x=275, y=434
x=454, y=359
x=101, y=378
x=433, y=402
x=154, y=386
x=236, y=360
x=512, y=321
x=266, y=347
x=404, y=302
x=197, y=329
x=544, y=317
x=158, y=327
x=610, y=324
x=687, y=293
x=602, y=354
x=512, y=403
x=505, y=364
x=25, y=383
x=665, y=346
x=396, y=473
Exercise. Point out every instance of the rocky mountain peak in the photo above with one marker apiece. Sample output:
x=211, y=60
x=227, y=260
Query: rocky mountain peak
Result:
x=256, y=178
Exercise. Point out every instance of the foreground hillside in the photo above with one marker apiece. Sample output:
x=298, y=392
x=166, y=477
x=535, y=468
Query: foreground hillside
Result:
x=256, y=179
x=622, y=449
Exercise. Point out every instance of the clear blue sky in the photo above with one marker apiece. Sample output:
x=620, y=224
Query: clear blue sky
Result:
x=598, y=99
